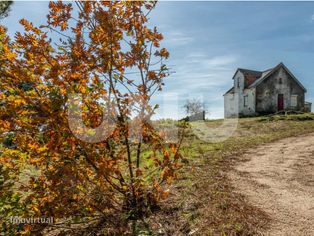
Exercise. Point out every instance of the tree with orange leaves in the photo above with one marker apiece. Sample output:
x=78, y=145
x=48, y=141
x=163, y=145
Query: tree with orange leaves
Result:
x=77, y=111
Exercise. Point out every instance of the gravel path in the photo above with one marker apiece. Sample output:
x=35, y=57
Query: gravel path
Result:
x=279, y=178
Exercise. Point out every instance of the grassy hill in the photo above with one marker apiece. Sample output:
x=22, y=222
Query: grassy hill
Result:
x=203, y=202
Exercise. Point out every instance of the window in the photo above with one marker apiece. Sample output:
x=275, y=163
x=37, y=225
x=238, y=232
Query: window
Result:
x=294, y=100
x=238, y=80
x=246, y=100
x=280, y=81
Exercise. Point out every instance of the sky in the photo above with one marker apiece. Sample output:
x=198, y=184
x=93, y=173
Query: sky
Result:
x=208, y=41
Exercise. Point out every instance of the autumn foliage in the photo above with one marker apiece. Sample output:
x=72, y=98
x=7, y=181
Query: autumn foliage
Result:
x=106, y=55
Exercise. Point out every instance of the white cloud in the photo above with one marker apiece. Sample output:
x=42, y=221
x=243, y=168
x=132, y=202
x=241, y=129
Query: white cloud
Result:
x=221, y=61
x=199, y=75
x=312, y=18
x=177, y=38
x=215, y=62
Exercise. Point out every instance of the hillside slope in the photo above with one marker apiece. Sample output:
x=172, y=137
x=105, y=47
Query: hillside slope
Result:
x=205, y=200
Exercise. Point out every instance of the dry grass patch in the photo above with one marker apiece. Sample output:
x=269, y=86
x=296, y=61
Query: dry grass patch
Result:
x=203, y=202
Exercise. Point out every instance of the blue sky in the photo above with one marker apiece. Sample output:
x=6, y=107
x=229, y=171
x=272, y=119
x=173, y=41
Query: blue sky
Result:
x=208, y=41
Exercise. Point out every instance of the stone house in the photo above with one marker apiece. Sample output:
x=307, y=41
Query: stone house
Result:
x=264, y=92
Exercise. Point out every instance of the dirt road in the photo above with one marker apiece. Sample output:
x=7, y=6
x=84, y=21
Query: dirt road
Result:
x=279, y=178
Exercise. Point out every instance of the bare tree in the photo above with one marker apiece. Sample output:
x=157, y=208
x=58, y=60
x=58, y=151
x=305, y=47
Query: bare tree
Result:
x=193, y=106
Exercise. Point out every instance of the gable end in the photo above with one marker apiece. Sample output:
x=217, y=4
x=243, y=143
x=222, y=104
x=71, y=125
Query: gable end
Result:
x=281, y=65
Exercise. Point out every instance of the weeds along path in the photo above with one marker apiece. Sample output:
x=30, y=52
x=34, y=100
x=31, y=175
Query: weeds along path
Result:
x=279, y=179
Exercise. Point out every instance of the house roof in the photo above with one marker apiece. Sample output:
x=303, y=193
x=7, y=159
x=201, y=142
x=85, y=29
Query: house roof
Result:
x=229, y=91
x=271, y=71
x=251, y=72
x=253, y=78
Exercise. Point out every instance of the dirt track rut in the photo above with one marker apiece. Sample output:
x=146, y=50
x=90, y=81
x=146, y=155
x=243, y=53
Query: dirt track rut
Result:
x=279, y=178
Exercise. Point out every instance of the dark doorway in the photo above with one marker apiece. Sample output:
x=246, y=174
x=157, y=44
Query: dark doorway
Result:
x=280, y=102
